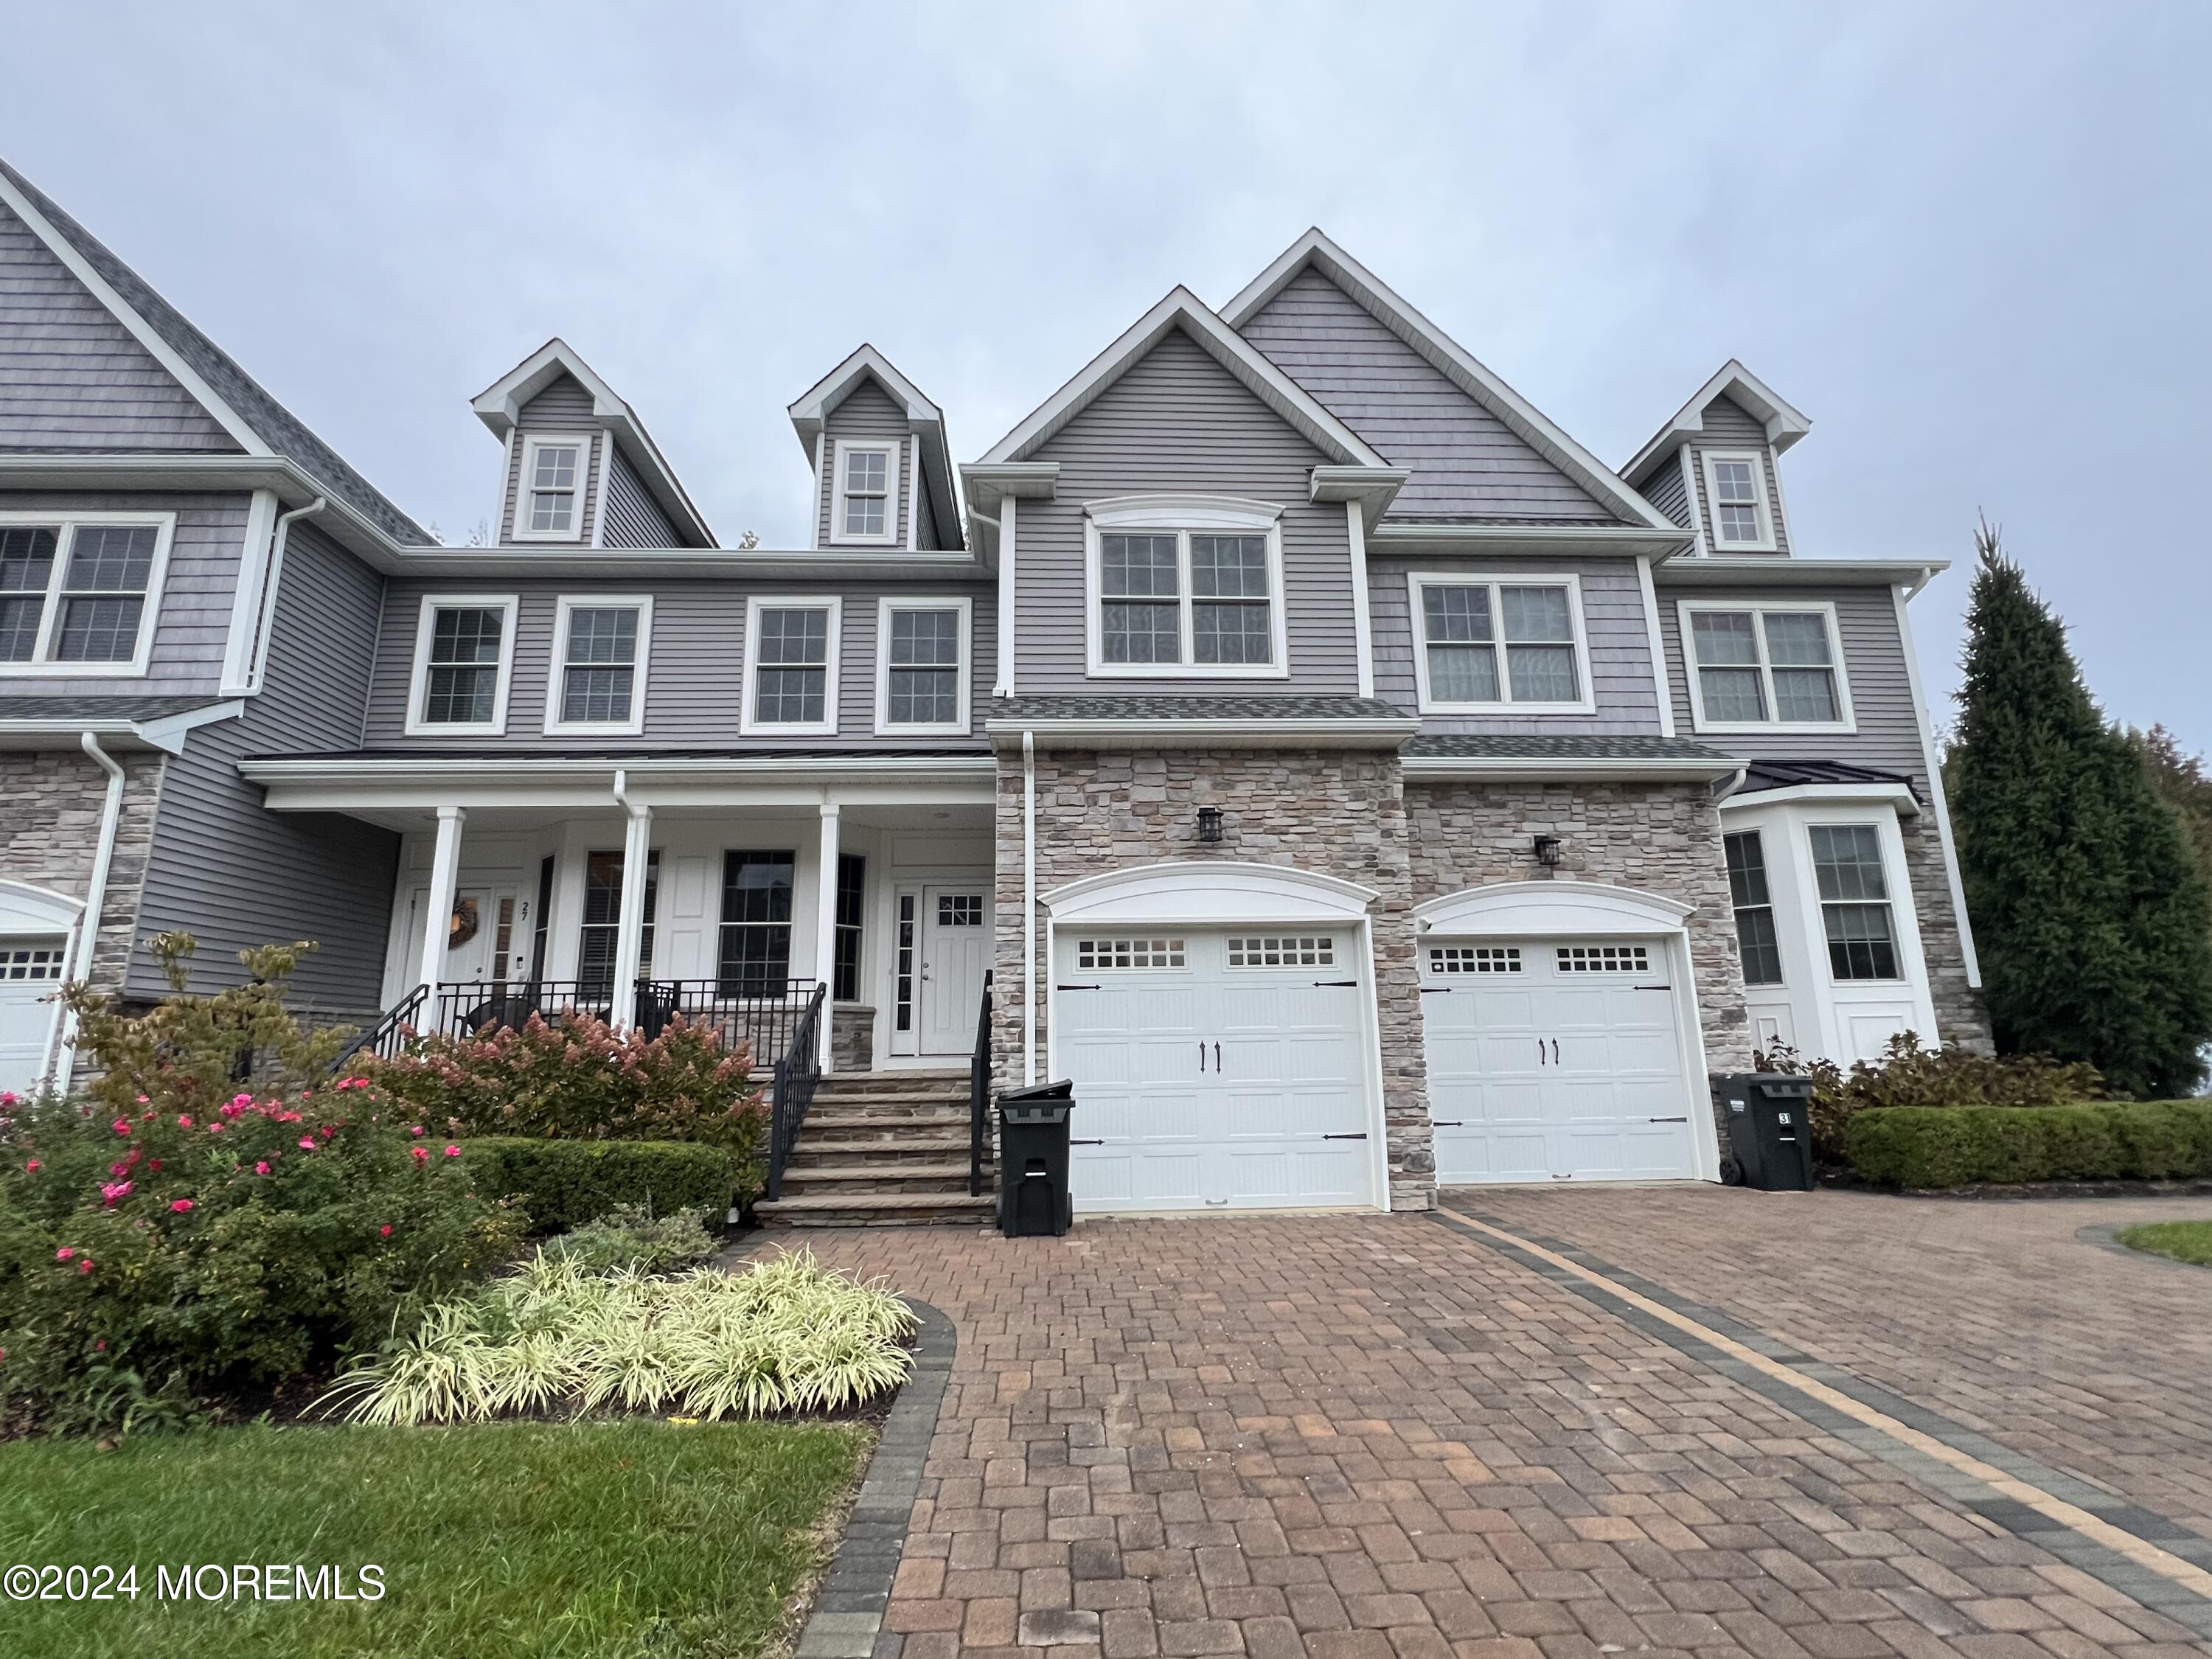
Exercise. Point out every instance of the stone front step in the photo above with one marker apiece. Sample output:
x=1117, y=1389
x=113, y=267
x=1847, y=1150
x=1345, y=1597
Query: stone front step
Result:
x=931, y=1115
x=885, y=1147
x=864, y=1083
x=876, y=1178
x=879, y=1210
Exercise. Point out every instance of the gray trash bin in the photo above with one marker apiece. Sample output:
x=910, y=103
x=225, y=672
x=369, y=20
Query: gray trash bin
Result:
x=1769, y=1119
x=1033, y=1195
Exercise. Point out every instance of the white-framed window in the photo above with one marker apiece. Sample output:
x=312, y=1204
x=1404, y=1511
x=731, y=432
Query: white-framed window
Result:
x=864, y=506
x=922, y=650
x=1735, y=490
x=1854, y=912
x=1474, y=959
x=1128, y=953
x=1757, y=940
x=1185, y=588
x=549, y=501
x=1282, y=950
x=1602, y=959
x=463, y=659
x=1753, y=667
x=601, y=646
x=79, y=591
x=1483, y=643
x=791, y=666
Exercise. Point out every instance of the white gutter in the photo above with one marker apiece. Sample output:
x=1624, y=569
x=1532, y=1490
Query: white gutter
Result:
x=1727, y=570
x=1029, y=908
x=1362, y=733
x=63, y=1060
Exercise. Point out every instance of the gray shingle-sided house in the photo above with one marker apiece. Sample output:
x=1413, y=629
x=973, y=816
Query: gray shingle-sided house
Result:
x=1286, y=731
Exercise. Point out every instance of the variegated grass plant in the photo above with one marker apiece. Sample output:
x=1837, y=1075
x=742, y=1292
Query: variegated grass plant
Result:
x=786, y=1335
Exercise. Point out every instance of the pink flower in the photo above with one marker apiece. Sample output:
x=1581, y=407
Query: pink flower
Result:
x=262, y=1168
x=385, y=1231
x=33, y=1166
x=306, y=1143
x=181, y=1205
x=416, y=1130
x=216, y=1129
x=241, y=1100
x=421, y=1154
x=100, y=1345
x=63, y=1254
x=143, y=1100
x=229, y=1109
x=452, y=1152
x=184, y=1119
x=155, y=1164
x=118, y=1169
x=85, y=1266
x=121, y=1126
x=115, y=1191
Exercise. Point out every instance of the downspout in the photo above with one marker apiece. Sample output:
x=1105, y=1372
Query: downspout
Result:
x=64, y=1058
x=1029, y=908
x=264, y=623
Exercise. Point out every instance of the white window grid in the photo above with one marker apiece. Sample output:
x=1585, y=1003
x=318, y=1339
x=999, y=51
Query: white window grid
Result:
x=866, y=507
x=460, y=655
x=1474, y=959
x=1129, y=953
x=593, y=657
x=960, y=911
x=1283, y=951
x=1782, y=676
x=549, y=501
x=1742, y=519
x=1501, y=629
x=1197, y=582
x=1604, y=959
x=31, y=961
x=80, y=593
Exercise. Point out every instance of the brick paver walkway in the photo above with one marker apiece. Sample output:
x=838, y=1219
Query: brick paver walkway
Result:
x=1374, y=1438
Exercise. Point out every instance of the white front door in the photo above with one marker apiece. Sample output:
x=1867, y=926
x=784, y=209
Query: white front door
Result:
x=955, y=954
x=481, y=942
x=1222, y=1070
x=30, y=972
x=1555, y=1060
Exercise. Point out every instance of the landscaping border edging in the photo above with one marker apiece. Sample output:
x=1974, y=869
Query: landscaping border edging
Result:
x=2106, y=1236
x=849, y=1614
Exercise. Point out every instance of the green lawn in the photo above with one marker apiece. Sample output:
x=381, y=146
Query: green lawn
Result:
x=629, y=1538
x=2184, y=1241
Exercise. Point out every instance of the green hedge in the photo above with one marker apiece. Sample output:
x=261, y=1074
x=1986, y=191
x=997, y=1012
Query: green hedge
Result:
x=564, y=1183
x=1934, y=1146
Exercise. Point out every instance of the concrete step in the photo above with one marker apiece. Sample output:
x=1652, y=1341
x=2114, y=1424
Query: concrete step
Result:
x=879, y=1210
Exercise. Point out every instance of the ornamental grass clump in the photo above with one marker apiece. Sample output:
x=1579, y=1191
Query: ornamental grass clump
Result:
x=785, y=1335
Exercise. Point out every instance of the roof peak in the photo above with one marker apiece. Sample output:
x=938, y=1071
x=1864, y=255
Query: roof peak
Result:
x=1785, y=424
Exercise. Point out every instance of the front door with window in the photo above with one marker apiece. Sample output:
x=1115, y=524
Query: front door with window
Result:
x=481, y=944
x=955, y=953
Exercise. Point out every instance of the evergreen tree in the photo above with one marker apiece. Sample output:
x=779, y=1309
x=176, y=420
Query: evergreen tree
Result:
x=2093, y=924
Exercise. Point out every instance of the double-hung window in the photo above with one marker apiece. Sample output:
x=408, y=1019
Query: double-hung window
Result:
x=78, y=597
x=921, y=665
x=1772, y=666
x=599, y=936
x=791, y=666
x=1854, y=910
x=464, y=649
x=551, y=505
x=1755, y=937
x=1502, y=642
x=865, y=509
x=600, y=645
x=754, y=958
x=1186, y=588
x=1735, y=487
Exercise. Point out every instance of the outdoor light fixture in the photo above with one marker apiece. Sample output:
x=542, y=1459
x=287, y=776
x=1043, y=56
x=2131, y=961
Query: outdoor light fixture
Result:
x=1209, y=823
x=1547, y=851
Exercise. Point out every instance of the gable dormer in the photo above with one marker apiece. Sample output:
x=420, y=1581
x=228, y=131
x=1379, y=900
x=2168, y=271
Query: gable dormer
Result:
x=1713, y=470
x=581, y=471
x=882, y=471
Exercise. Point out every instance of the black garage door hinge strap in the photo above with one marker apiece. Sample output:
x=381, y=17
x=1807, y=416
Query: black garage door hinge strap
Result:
x=1361, y=1136
x=1670, y=1119
x=1079, y=988
x=1348, y=984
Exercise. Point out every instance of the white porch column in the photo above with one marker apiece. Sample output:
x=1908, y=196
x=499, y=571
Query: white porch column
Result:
x=825, y=927
x=438, y=906
x=629, y=932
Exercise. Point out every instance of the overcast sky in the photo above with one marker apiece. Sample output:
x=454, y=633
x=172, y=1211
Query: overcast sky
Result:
x=1970, y=242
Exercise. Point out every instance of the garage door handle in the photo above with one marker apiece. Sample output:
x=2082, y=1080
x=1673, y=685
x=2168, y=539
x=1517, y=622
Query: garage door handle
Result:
x=1361, y=1136
x=1650, y=988
x=1555, y=1051
x=1348, y=984
x=1670, y=1119
x=1540, y=1060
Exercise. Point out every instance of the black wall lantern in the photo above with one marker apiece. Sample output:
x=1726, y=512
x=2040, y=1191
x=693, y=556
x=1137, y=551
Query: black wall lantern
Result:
x=1209, y=823
x=1548, y=850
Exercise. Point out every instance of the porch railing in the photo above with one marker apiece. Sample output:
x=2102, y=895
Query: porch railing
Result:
x=386, y=1037
x=797, y=1071
x=979, y=1094
x=763, y=1015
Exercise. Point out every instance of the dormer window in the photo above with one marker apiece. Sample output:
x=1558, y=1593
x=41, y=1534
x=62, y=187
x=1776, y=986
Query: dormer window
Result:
x=553, y=470
x=1735, y=485
x=868, y=485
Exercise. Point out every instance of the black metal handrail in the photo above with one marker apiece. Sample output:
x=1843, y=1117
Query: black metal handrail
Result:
x=979, y=1094
x=386, y=1037
x=763, y=1014
x=796, y=1073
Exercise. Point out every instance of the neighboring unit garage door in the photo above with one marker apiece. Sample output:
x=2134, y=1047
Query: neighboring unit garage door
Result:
x=30, y=971
x=1215, y=1070
x=1554, y=1059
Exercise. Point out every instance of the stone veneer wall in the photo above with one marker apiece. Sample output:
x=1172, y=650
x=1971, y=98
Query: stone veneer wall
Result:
x=1336, y=812
x=50, y=802
x=1962, y=1018
x=852, y=1036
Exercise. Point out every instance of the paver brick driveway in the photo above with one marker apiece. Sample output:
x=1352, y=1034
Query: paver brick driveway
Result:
x=1357, y=1437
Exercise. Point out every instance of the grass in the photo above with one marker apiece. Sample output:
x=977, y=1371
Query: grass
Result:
x=635, y=1540
x=2184, y=1241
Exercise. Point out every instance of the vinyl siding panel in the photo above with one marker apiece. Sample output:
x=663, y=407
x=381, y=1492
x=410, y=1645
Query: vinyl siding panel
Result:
x=1729, y=426
x=193, y=621
x=1888, y=735
x=1466, y=462
x=1667, y=490
x=236, y=875
x=633, y=518
x=563, y=407
x=71, y=376
x=694, y=681
x=868, y=414
x=1178, y=421
x=1617, y=649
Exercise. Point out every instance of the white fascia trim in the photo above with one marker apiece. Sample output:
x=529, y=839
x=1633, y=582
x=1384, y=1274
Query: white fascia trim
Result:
x=1686, y=609
x=965, y=608
x=987, y=486
x=1546, y=768
x=1933, y=762
x=510, y=606
x=1449, y=359
x=165, y=733
x=1401, y=536
x=1416, y=581
x=812, y=406
x=578, y=532
x=1864, y=794
x=1721, y=570
x=1761, y=504
x=1202, y=735
x=686, y=563
x=433, y=767
x=1372, y=487
x=1784, y=425
x=42, y=663
x=143, y=331
x=1181, y=308
x=1656, y=645
x=1182, y=516
x=1363, y=626
x=893, y=451
x=1689, y=469
x=748, y=724
x=557, y=665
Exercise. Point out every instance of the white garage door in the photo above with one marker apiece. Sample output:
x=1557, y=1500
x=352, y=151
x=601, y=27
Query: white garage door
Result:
x=30, y=971
x=1554, y=1059
x=1215, y=1070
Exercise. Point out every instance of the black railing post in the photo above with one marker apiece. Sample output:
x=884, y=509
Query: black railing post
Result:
x=979, y=1093
x=796, y=1073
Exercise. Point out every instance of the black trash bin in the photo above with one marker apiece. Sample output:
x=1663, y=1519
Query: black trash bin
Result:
x=1033, y=1197
x=1769, y=1119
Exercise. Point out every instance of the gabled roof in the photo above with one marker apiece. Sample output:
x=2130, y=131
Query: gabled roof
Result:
x=1784, y=425
x=1184, y=310
x=261, y=426
x=1450, y=359
x=499, y=406
x=923, y=419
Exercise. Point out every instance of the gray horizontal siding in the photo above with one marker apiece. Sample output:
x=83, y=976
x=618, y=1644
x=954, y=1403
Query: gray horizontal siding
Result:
x=193, y=625
x=1618, y=658
x=236, y=875
x=1665, y=489
x=633, y=518
x=1888, y=735
x=71, y=376
x=1465, y=461
x=1178, y=421
x=564, y=407
x=1730, y=426
x=694, y=681
x=867, y=413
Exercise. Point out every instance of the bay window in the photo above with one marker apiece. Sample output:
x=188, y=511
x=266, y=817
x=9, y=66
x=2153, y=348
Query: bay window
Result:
x=1855, y=911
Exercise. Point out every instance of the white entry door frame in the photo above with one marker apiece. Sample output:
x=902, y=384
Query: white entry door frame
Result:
x=955, y=954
